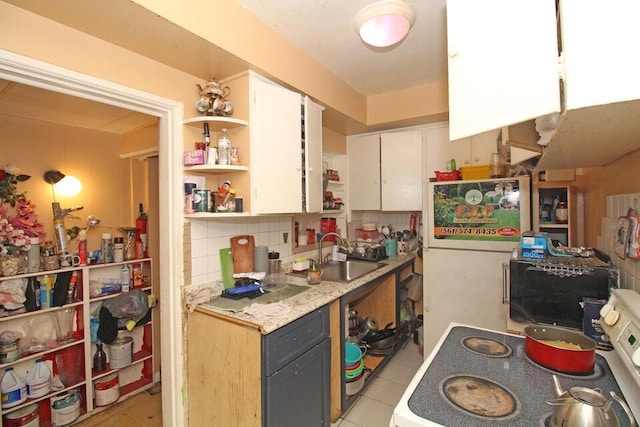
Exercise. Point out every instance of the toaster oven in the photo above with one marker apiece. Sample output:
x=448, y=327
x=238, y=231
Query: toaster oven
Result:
x=550, y=290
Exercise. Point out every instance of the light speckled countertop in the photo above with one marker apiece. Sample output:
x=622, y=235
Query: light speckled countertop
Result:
x=305, y=302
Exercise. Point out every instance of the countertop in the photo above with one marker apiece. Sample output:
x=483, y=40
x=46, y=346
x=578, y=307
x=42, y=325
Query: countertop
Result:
x=305, y=302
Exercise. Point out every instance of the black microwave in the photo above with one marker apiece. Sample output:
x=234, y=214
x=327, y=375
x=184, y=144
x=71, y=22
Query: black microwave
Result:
x=550, y=290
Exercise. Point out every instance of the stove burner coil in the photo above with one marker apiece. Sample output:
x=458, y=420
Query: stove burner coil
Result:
x=486, y=346
x=479, y=397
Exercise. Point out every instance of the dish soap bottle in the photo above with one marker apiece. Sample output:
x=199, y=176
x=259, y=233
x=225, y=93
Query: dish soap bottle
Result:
x=314, y=275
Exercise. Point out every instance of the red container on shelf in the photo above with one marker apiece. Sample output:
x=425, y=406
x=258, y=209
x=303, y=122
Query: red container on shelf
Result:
x=453, y=175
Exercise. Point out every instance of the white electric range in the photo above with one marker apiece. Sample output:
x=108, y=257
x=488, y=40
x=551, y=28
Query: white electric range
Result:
x=497, y=362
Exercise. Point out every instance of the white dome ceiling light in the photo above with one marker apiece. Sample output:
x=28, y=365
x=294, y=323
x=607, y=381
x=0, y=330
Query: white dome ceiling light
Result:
x=384, y=23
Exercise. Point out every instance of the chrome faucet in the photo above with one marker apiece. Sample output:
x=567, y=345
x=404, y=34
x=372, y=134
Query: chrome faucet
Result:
x=322, y=239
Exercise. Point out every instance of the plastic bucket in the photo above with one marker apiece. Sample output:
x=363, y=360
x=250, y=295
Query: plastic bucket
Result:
x=107, y=389
x=23, y=417
x=352, y=353
x=65, y=408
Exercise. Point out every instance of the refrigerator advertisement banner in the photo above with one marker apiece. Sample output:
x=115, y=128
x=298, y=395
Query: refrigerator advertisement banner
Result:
x=486, y=211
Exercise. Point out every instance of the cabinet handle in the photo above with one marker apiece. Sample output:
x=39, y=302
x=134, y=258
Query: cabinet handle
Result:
x=505, y=282
x=384, y=181
x=466, y=162
x=475, y=160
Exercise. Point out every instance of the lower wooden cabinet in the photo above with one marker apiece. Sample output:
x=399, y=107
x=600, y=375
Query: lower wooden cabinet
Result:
x=237, y=376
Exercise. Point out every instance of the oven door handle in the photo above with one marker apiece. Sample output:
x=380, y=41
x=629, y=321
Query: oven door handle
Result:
x=505, y=283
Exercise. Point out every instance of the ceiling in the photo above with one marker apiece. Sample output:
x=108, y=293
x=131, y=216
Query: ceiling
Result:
x=32, y=103
x=322, y=28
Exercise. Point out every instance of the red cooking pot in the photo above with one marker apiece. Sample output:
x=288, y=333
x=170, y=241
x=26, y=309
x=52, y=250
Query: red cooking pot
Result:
x=549, y=347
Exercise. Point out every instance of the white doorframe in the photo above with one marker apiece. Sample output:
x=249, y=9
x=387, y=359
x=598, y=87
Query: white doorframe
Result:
x=31, y=72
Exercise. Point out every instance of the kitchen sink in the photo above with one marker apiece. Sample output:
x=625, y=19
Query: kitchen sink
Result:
x=347, y=271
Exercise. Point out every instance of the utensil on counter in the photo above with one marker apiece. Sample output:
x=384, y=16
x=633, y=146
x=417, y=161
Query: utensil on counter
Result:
x=242, y=250
x=542, y=345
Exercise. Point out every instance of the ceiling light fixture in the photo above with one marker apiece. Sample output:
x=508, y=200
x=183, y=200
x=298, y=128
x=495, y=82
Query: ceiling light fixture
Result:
x=384, y=23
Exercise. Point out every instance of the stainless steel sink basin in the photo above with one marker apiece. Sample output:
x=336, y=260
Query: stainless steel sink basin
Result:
x=347, y=271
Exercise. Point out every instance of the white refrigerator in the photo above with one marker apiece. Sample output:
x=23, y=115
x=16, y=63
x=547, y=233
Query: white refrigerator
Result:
x=471, y=230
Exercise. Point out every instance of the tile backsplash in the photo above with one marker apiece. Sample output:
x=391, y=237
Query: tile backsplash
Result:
x=203, y=239
x=207, y=236
x=617, y=206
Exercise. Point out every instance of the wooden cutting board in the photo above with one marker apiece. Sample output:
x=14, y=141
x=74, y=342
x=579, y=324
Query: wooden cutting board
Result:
x=242, y=249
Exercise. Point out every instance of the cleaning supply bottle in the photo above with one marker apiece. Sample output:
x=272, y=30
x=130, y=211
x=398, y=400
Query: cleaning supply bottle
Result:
x=13, y=388
x=38, y=379
x=125, y=279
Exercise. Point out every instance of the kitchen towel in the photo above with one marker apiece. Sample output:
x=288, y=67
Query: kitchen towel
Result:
x=262, y=310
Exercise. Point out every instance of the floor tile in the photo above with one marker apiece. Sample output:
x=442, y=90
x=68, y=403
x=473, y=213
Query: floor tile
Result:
x=370, y=413
x=385, y=391
x=347, y=423
x=398, y=373
x=409, y=356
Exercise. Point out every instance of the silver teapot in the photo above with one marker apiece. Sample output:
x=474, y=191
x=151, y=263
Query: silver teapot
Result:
x=581, y=406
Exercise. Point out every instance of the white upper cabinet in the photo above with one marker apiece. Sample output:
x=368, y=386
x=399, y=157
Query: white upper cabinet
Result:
x=401, y=170
x=363, y=154
x=385, y=171
x=313, y=155
x=601, y=59
x=276, y=162
x=503, y=63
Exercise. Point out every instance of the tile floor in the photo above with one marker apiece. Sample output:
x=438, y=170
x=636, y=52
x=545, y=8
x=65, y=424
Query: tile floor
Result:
x=375, y=406
x=372, y=409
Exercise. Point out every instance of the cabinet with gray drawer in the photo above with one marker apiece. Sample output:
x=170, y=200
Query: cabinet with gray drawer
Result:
x=296, y=372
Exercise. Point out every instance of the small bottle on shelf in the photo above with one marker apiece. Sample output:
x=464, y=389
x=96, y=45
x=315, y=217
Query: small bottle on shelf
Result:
x=125, y=279
x=100, y=358
x=562, y=213
x=224, y=149
x=33, y=256
x=118, y=249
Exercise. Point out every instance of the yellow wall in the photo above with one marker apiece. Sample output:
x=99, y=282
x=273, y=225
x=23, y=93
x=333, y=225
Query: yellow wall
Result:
x=90, y=156
x=31, y=35
x=245, y=39
x=333, y=142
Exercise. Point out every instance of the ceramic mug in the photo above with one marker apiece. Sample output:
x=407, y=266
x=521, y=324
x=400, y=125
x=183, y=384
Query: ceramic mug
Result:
x=69, y=260
x=402, y=248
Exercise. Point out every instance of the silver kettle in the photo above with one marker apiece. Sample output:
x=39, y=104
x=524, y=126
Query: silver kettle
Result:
x=581, y=406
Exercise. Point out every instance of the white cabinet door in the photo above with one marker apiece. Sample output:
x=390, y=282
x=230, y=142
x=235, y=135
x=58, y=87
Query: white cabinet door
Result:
x=503, y=63
x=363, y=154
x=313, y=155
x=435, y=150
x=601, y=62
x=401, y=170
x=276, y=161
x=475, y=150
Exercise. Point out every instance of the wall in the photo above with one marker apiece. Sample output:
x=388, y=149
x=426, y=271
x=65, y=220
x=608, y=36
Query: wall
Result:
x=616, y=206
x=619, y=177
x=73, y=151
x=608, y=192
